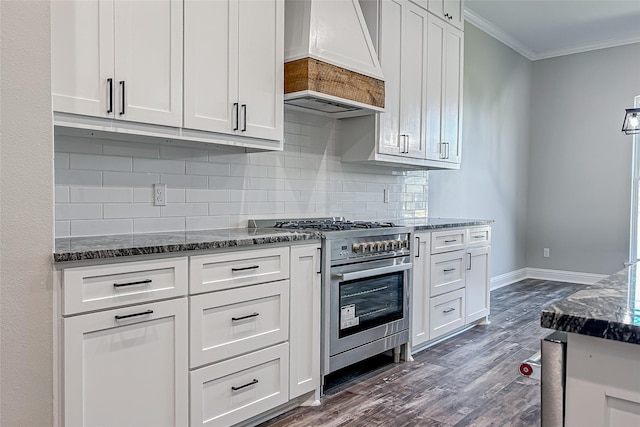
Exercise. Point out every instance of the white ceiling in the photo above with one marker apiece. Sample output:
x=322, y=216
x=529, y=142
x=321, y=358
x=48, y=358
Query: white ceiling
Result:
x=546, y=28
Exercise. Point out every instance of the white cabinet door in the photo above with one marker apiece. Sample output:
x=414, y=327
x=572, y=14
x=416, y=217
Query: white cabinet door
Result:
x=452, y=108
x=304, y=338
x=453, y=11
x=148, y=73
x=389, y=52
x=211, y=65
x=477, y=284
x=82, y=57
x=261, y=68
x=127, y=366
x=421, y=277
x=413, y=82
x=444, y=92
x=234, y=67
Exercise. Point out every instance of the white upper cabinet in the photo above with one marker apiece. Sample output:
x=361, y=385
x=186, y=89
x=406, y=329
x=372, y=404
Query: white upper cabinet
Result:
x=451, y=11
x=117, y=59
x=444, y=92
x=233, y=64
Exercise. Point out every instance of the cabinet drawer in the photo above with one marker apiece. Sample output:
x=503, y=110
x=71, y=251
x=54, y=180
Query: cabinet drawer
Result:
x=231, y=270
x=113, y=285
x=446, y=313
x=237, y=389
x=228, y=323
x=447, y=272
x=479, y=236
x=450, y=240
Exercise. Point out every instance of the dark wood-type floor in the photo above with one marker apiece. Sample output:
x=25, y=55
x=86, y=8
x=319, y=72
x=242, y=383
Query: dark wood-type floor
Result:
x=471, y=379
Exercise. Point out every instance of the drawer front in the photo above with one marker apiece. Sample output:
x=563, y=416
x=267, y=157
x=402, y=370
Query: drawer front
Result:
x=237, y=389
x=113, y=285
x=450, y=240
x=231, y=270
x=228, y=323
x=479, y=236
x=447, y=272
x=447, y=313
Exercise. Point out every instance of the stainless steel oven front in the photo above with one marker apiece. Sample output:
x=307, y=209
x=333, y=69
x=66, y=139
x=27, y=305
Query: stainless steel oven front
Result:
x=366, y=298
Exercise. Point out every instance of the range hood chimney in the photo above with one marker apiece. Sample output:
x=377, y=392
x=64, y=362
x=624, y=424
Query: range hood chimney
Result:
x=331, y=67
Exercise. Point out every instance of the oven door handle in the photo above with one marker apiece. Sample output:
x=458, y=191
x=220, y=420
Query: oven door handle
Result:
x=374, y=272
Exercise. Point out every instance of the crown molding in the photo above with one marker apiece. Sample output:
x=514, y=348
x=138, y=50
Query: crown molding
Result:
x=498, y=34
x=514, y=44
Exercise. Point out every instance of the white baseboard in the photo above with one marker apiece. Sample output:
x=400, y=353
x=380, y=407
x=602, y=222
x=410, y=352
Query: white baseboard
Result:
x=544, y=274
x=564, y=276
x=507, y=278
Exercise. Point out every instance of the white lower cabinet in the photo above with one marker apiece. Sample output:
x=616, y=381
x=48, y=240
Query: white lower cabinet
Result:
x=232, y=391
x=450, y=281
x=127, y=366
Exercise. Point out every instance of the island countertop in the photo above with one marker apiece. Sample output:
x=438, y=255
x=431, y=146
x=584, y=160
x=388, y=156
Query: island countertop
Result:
x=609, y=309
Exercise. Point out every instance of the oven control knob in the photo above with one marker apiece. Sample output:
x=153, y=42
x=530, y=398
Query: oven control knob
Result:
x=393, y=244
x=372, y=246
x=379, y=246
x=404, y=243
x=356, y=248
x=386, y=245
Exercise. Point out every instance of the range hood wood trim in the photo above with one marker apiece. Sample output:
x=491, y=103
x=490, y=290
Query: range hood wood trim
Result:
x=312, y=74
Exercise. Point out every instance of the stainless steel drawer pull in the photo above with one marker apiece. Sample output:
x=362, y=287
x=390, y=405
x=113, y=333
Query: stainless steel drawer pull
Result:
x=246, y=385
x=449, y=270
x=251, y=267
x=478, y=237
x=139, y=282
x=126, y=316
x=448, y=310
x=235, y=319
x=450, y=241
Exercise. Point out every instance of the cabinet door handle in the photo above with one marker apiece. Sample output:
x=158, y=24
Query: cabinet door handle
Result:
x=319, y=261
x=417, y=246
x=246, y=385
x=469, y=253
x=235, y=107
x=450, y=241
x=442, y=151
x=110, y=95
x=123, y=97
x=449, y=310
x=251, y=267
x=126, y=316
x=449, y=270
x=244, y=118
x=235, y=319
x=139, y=282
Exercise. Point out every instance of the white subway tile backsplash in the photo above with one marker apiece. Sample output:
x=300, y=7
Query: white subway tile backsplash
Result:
x=159, y=166
x=100, y=195
x=156, y=225
x=61, y=161
x=78, y=211
x=105, y=187
x=99, y=162
x=61, y=194
x=74, y=177
x=185, y=209
x=101, y=227
x=130, y=210
x=193, y=196
x=134, y=179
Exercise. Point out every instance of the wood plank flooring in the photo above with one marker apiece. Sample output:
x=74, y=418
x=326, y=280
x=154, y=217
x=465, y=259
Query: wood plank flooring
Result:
x=471, y=379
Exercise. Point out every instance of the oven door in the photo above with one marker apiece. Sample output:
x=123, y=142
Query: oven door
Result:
x=368, y=301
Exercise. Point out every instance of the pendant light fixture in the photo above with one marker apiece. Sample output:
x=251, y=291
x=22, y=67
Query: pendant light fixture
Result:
x=631, y=124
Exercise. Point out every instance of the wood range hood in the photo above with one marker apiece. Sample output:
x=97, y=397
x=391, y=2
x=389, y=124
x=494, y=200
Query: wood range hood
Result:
x=331, y=66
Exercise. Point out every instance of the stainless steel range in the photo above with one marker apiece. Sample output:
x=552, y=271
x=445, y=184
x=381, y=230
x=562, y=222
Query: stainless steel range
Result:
x=366, y=288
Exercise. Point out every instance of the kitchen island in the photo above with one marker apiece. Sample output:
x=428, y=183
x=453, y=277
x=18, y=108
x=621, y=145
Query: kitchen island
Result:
x=602, y=323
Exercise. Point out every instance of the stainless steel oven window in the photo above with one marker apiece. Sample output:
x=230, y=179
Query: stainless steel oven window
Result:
x=370, y=302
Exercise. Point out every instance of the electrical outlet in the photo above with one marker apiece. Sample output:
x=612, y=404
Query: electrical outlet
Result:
x=545, y=252
x=160, y=194
x=386, y=195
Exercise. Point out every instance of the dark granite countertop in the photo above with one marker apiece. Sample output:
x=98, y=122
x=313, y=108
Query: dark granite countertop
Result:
x=438, y=223
x=100, y=247
x=609, y=309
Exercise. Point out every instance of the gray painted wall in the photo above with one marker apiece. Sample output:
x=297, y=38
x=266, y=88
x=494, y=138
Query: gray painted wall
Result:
x=492, y=182
x=580, y=162
x=26, y=218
